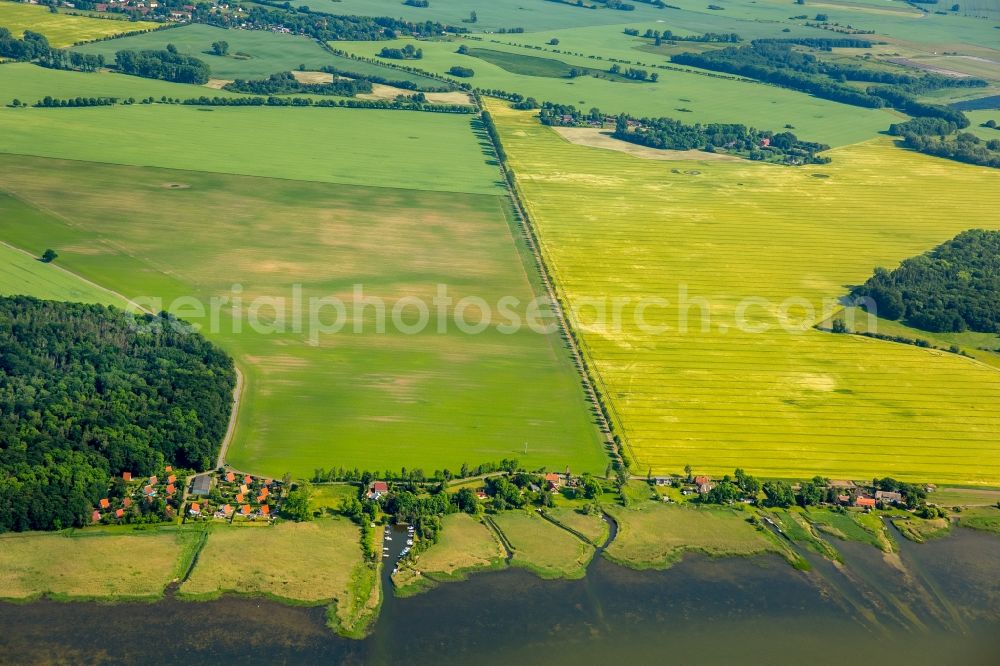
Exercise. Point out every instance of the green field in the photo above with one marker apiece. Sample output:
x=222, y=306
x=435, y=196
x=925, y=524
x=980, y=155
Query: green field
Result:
x=543, y=548
x=532, y=15
x=63, y=30
x=107, y=564
x=656, y=536
x=350, y=146
x=23, y=275
x=707, y=236
x=706, y=98
x=372, y=400
x=252, y=53
x=29, y=83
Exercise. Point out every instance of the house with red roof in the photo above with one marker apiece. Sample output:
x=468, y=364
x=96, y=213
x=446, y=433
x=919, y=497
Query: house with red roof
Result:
x=153, y=480
x=230, y=477
x=553, y=481
x=378, y=488
x=195, y=509
x=95, y=517
x=247, y=479
x=148, y=491
x=865, y=502
x=239, y=498
x=168, y=468
x=245, y=509
x=265, y=510
x=126, y=476
x=105, y=503
x=170, y=489
x=119, y=513
x=127, y=502
x=171, y=478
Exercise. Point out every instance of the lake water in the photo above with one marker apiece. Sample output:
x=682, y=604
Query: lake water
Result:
x=939, y=604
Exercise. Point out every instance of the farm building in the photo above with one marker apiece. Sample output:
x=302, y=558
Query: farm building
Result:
x=378, y=489
x=201, y=485
x=888, y=497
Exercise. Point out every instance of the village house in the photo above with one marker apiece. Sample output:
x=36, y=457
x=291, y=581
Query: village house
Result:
x=378, y=489
x=553, y=481
x=704, y=484
x=126, y=476
x=865, y=502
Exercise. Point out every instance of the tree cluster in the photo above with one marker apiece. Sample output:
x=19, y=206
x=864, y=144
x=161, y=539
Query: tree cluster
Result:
x=88, y=392
x=668, y=36
x=167, y=65
x=35, y=47
x=778, y=63
x=268, y=14
x=954, y=287
x=284, y=83
x=408, y=52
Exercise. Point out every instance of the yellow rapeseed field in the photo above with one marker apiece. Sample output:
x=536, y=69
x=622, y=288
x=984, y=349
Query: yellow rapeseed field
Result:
x=745, y=253
x=63, y=30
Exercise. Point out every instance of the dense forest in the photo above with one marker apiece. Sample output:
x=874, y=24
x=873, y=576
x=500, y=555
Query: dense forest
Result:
x=954, y=287
x=86, y=394
x=168, y=65
x=285, y=83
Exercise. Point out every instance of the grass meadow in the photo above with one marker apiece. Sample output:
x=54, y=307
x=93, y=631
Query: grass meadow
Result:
x=779, y=403
x=466, y=545
x=63, y=30
x=105, y=564
x=592, y=525
x=299, y=562
x=653, y=535
x=689, y=96
x=543, y=548
x=366, y=399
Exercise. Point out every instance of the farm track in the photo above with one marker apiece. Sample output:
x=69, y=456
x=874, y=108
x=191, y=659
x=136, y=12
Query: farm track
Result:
x=565, y=331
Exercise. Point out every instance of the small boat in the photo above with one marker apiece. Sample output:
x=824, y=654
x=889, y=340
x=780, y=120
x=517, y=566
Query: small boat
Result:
x=409, y=542
x=388, y=538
